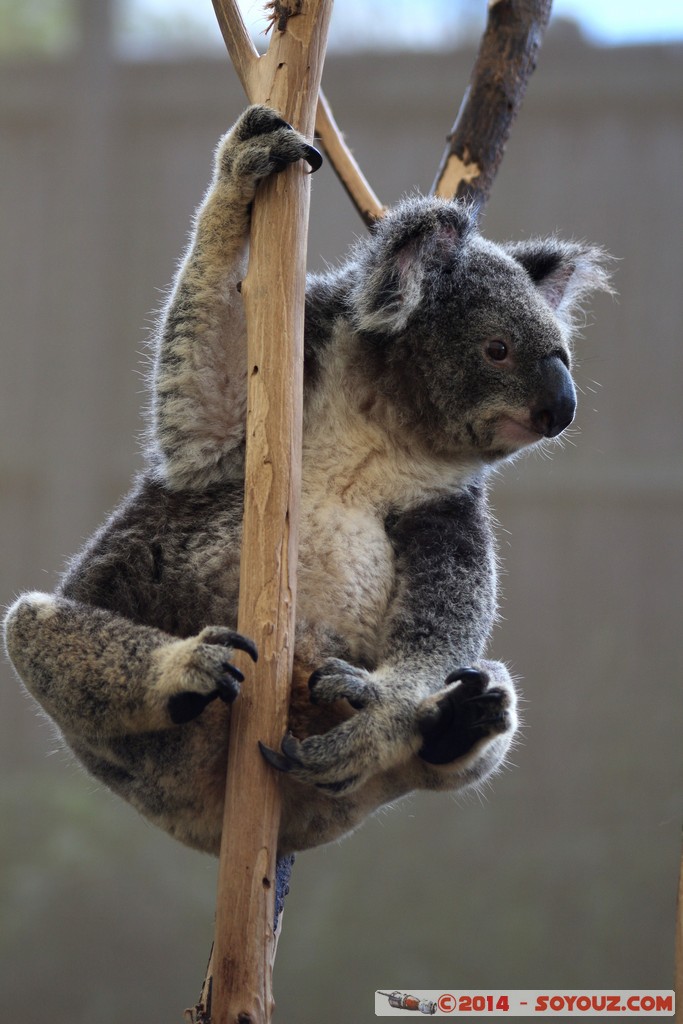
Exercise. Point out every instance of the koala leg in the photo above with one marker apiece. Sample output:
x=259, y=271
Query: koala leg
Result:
x=98, y=674
x=199, y=404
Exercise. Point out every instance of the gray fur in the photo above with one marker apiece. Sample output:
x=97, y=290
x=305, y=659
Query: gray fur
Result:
x=431, y=354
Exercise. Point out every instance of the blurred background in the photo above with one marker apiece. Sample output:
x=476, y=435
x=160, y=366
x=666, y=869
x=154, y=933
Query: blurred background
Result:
x=563, y=873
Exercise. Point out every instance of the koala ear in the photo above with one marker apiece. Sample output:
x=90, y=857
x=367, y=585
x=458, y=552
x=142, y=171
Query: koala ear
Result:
x=390, y=290
x=395, y=266
x=565, y=273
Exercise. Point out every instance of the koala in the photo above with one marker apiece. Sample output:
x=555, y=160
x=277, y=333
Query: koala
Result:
x=431, y=356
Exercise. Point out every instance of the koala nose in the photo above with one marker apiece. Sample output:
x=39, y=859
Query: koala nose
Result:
x=555, y=406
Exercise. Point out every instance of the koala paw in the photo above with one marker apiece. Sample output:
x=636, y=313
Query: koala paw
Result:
x=317, y=760
x=341, y=758
x=202, y=671
x=262, y=143
x=337, y=680
x=455, y=721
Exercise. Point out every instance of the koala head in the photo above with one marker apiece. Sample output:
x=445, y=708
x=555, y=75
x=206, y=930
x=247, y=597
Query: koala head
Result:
x=473, y=338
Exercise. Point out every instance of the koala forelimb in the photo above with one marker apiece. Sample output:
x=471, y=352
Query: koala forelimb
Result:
x=430, y=355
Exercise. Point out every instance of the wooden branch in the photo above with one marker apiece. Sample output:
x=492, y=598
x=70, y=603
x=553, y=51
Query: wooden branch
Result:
x=239, y=983
x=507, y=57
x=243, y=53
x=347, y=170
x=245, y=58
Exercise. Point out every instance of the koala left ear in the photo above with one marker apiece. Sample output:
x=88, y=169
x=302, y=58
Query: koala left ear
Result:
x=563, y=272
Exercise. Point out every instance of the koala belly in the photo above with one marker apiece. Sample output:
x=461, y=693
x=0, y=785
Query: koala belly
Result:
x=345, y=579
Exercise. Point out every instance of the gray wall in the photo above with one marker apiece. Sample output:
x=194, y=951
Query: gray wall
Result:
x=563, y=873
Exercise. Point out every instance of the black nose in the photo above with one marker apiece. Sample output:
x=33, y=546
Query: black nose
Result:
x=555, y=406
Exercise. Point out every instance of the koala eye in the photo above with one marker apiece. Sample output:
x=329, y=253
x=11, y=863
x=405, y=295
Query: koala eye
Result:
x=496, y=350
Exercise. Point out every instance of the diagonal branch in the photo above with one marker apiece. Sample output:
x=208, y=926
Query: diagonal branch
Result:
x=347, y=170
x=506, y=59
x=243, y=53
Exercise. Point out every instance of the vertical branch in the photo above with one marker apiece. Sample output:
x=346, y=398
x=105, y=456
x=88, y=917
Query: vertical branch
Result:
x=506, y=59
x=287, y=78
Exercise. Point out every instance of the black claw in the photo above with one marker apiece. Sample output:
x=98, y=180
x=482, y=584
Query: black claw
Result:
x=274, y=759
x=465, y=675
x=487, y=721
x=491, y=697
x=231, y=670
x=241, y=643
x=314, y=678
x=279, y=122
x=337, y=787
x=314, y=158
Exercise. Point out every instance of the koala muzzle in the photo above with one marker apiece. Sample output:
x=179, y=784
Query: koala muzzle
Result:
x=555, y=405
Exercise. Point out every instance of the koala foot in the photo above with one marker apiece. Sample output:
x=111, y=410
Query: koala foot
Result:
x=337, y=680
x=341, y=758
x=202, y=668
x=455, y=721
x=262, y=143
x=309, y=761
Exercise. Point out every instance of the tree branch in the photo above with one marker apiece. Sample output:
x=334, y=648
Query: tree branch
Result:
x=507, y=57
x=239, y=983
x=243, y=53
x=347, y=170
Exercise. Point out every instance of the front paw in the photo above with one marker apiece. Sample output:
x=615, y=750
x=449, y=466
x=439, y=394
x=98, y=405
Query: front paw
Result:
x=262, y=143
x=199, y=670
x=455, y=721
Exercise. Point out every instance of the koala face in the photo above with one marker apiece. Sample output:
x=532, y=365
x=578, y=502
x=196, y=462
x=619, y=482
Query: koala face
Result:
x=473, y=337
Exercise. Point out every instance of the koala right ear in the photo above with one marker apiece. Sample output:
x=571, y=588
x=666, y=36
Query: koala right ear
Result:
x=392, y=266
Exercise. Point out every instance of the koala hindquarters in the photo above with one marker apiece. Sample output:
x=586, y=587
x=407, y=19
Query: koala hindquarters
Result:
x=116, y=691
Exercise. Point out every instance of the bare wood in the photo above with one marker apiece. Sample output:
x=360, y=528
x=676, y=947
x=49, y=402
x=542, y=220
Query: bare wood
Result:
x=507, y=57
x=243, y=53
x=347, y=170
x=286, y=78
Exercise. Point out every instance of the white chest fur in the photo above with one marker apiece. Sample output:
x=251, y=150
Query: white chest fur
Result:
x=354, y=473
